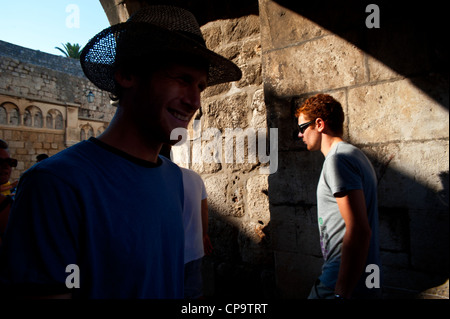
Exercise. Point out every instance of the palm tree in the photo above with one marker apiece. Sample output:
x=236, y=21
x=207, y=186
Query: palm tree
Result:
x=71, y=50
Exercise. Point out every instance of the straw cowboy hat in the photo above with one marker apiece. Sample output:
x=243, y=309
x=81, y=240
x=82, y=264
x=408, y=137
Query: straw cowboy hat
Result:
x=151, y=30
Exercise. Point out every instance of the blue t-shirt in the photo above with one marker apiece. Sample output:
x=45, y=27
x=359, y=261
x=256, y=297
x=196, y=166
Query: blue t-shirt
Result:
x=116, y=217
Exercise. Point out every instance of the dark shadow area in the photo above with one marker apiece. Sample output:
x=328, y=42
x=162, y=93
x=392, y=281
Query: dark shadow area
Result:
x=411, y=39
x=414, y=231
x=211, y=10
x=226, y=273
x=414, y=219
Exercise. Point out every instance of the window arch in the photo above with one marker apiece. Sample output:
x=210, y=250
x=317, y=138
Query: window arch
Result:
x=38, y=119
x=54, y=120
x=49, y=120
x=9, y=114
x=14, y=116
x=100, y=130
x=27, y=118
x=33, y=117
x=3, y=116
x=86, y=132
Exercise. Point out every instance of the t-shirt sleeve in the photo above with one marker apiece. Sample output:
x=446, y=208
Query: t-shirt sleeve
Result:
x=342, y=175
x=41, y=238
x=204, y=193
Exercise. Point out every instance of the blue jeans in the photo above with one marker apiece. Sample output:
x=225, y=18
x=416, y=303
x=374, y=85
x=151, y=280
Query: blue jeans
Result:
x=320, y=291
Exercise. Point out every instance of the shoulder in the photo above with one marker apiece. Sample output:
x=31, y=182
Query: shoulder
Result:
x=72, y=160
x=189, y=173
x=342, y=152
x=190, y=176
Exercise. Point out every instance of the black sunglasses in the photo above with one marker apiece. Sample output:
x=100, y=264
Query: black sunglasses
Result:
x=9, y=161
x=304, y=126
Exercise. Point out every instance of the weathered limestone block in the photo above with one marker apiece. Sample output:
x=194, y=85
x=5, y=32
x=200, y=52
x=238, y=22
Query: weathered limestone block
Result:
x=244, y=27
x=295, y=28
x=295, y=186
x=258, y=109
x=324, y=64
x=257, y=200
x=439, y=292
x=225, y=195
x=395, y=111
x=254, y=244
x=294, y=228
x=413, y=174
x=230, y=112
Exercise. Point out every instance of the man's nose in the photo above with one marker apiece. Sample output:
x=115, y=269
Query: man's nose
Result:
x=192, y=98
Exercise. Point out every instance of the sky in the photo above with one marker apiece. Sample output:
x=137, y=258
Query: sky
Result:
x=46, y=24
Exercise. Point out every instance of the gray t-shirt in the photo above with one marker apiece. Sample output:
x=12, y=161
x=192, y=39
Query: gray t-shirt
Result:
x=345, y=168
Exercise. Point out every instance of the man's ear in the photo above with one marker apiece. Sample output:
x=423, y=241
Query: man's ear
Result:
x=320, y=124
x=125, y=79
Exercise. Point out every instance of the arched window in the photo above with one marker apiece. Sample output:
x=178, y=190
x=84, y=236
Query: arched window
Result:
x=59, y=123
x=9, y=114
x=33, y=117
x=49, y=121
x=27, y=118
x=38, y=119
x=55, y=119
x=14, y=117
x=90, y=132
x=100, y=130
x=86, y=132
x=3, y=116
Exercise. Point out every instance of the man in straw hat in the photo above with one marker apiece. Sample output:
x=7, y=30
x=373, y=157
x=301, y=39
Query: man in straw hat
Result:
x=103, y=218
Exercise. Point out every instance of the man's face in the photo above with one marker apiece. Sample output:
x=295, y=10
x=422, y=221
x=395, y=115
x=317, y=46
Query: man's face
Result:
x=5, y=169
x=310, y=136
x=168, y=100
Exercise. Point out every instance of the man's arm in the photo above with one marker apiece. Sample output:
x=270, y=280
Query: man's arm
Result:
x=207, y=246
x=355, y=246
x=41, y=237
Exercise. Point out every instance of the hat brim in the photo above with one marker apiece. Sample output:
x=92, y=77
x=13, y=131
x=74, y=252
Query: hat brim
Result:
x=98, y=57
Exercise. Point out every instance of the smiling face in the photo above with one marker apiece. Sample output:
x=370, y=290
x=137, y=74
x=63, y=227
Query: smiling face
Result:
x=167, y=100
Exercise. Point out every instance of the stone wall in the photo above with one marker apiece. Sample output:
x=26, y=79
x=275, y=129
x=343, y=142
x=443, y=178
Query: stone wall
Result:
x=43, y=104
x=237, y=187
x=263, y=222
x=396, y=105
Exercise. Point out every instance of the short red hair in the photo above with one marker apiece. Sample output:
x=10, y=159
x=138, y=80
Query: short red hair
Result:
x=323, y=106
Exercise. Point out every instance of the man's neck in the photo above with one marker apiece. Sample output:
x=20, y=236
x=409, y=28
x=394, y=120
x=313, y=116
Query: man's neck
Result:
x=129, y=141
x=328, y=142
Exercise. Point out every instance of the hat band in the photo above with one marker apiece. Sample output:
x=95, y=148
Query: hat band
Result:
x=194, y=37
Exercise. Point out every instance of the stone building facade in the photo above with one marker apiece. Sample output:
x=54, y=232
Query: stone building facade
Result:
x=44, y=106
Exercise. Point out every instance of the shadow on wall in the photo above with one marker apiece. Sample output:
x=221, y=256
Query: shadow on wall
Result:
x=410, y=40
x=414, y=216
x=413, y=211
x=414, y=234
x=228, y=272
